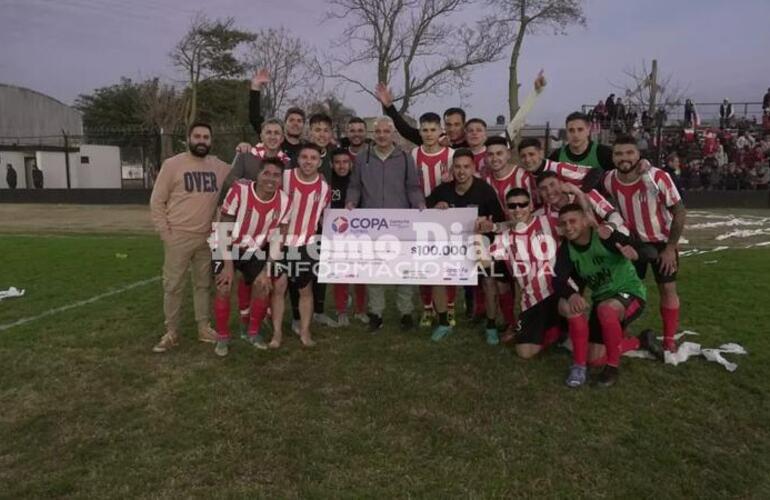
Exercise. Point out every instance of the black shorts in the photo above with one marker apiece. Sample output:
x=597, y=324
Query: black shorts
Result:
x=641, y=266
x=534, y=322
x=299, y=266
x=634, y=308
x=249, y=268
x=502, y=272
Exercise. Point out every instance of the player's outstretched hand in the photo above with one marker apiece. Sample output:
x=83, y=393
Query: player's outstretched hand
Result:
x=540, y=82
x=350, y=205
x=667, y=259
x=628, y=251
x=384, y=94
x=260, y=78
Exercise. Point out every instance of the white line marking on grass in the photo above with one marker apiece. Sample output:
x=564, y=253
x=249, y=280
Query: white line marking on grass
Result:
x=57, y=310
x=730, y=223
x=743, y=233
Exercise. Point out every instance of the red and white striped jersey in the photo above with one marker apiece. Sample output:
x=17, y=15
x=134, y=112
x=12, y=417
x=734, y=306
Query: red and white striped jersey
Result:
x=567, y=172
x=645, y=204
x=308, y=201
x=517, y=178
x=432, y=167
x=261, y=152
x=255, y=219
x=479, y=159
x=602, y=208
x=530, y=254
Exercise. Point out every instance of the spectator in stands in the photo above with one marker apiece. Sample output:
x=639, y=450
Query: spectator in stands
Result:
x=631, y=116
x=691, y=177
x=763, y=176
x=713, y=174
x=732, y=179
x=744, y=140
x=661, y=117
x=643, y=143
x=673, y=169
x=646, y=121
x=721, y=156
x=725, y=114
x=620, y=111
x=689, y=114
x=600, y=112
x=10, y=176
x=609, y=106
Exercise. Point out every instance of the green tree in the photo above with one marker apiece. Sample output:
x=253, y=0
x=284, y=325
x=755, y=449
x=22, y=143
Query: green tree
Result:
x=206, y=52
x=113, y=107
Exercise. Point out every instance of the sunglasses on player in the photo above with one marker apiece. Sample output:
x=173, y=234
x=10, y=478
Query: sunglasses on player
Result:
x=513, y=204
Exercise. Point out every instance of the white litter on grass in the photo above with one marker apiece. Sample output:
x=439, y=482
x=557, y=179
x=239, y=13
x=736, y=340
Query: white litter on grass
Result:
x=760, y=244
x=11, y=293
x=687, y=350
x=710, y=261
x=706, y=215
x=730, y=223
x=694, y=251
x=56, y=310
x=743, y=233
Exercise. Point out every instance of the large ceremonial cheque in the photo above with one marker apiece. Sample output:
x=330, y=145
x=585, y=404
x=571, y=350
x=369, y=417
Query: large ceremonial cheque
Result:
x=398, y=246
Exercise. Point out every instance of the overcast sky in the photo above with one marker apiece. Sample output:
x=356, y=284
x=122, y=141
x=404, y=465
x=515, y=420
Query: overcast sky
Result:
x=716, y=48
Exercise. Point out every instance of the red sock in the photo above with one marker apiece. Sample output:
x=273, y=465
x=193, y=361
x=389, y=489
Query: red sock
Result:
x=244, y=298
x=578, y=334
x=258, y=313
x=612, y=333
x=479, y=305
x=507, y=307
x=222, y=317
x=670, y=326
x=629, y=344
x=426, y=295
x=341, y=297
x=551, y=336
x=451, y=295
x=360, y=291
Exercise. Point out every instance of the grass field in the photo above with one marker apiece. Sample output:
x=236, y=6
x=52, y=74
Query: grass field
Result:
x=86, y=410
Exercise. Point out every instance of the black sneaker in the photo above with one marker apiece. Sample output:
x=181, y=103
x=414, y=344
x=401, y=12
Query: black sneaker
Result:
x=608, y=377
x=649, y=341
x=407, y=323
x=375, y=323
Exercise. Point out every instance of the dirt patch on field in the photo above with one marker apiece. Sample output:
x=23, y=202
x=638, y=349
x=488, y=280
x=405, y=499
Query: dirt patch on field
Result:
x=44, y=218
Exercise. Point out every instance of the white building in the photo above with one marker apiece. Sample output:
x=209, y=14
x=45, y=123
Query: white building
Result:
x=90, y=166
x=32, y=128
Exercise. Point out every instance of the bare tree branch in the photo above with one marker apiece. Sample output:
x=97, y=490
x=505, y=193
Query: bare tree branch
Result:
x=411, y=42
x=517, y=18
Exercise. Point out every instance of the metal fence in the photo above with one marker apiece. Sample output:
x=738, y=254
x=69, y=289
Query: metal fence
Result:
x=708, y=112
x=142, y=151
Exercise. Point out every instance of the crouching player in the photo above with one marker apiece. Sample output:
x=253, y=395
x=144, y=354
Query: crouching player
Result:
x=618, y=296
x=529, y=251
x=247, y=239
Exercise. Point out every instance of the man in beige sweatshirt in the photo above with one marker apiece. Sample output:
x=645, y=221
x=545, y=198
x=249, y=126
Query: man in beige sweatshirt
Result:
x=183, y=203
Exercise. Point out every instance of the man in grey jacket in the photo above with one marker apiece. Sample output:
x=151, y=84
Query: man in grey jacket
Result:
x=385, y=177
